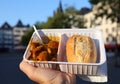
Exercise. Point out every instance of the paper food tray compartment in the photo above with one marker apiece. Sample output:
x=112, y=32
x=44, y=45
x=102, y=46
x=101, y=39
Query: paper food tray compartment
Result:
x=45, y=37
x=83, y=68
x=69, y=67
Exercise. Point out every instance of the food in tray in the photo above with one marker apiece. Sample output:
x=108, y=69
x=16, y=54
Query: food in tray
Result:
x=46, y=51
x=81, y=49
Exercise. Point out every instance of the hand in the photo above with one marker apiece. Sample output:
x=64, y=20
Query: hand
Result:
x=46, y=76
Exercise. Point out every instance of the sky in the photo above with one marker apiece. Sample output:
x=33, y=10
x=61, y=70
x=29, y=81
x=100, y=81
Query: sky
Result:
x=31, y=11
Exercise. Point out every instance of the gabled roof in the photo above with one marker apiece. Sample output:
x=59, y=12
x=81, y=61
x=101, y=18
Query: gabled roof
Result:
x=19, y=24
x=84, y=10
x=6, y=26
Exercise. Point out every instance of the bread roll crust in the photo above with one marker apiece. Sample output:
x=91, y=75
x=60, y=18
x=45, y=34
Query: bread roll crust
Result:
x=81, y=49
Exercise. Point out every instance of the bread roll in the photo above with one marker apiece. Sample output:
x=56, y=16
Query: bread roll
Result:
x=81, y=49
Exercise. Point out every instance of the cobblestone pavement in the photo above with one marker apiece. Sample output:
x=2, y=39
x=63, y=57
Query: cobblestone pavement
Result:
x=10, y=73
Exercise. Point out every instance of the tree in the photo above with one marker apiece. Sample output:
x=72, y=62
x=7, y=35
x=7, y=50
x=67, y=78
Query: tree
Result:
x=110, y=9
x=58, y=20
x=72, y=10
x=113, y=13
x=65, y=19
x=113, y=5
x=74, y=17
x=26, y=38
x=94, y=2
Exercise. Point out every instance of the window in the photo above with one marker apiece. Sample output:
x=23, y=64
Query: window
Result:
x=7, y=37
x=113, y=29
x=106, y=30
x=110, y=39
x=18, y=31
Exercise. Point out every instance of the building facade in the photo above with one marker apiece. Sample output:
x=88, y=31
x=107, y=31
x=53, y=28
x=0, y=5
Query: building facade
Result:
x=18, y=31
x=10, y=37
x=6, y=37
x=110, y=29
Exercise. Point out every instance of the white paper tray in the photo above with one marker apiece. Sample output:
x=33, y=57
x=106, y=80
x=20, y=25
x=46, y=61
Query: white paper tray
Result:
x=88, y=69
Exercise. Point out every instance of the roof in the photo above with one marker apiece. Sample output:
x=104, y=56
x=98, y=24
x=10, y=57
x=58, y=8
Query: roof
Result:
x=6, y=26
x=59, y=9
x=84, y=11
x=20, y=24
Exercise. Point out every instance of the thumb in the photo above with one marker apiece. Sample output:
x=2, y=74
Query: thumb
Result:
x=27, y=68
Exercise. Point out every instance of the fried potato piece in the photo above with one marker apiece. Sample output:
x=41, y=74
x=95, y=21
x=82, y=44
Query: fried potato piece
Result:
x=53, y=44
x=44, y=52
x=43, y=56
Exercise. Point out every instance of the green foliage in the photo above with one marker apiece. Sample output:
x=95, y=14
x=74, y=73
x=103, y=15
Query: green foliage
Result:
x=63, y=19
x=114, y=6
x=25, y=38
x=58, y=20
x=94, y=1
x=71, y=10
x=110, y=9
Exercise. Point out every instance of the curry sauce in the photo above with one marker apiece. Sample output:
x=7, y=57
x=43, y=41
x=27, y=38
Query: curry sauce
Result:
x=46, y=51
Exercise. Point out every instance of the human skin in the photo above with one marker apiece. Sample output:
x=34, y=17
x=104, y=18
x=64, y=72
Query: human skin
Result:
x=46, y=76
